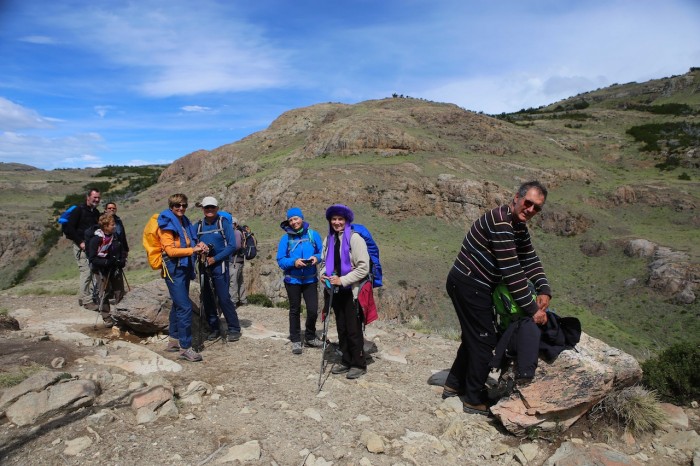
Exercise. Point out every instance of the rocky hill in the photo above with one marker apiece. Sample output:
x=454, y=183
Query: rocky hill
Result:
x=419, y=172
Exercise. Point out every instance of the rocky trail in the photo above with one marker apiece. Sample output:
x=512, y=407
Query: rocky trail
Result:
x=253, y=401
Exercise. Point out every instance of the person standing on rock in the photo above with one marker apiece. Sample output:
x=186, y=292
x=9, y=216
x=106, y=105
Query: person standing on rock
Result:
x=83, y=217
x=237, y=284
x=298, y=253
x=106, y=257
x=496, y=249
x=217, y=232
x=119, y=230
x=345, y=267
x=177, y=237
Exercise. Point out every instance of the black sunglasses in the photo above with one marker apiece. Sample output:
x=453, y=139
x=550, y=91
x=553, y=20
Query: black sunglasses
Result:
x=528, y=204
x=184, y=206
x=210, y=207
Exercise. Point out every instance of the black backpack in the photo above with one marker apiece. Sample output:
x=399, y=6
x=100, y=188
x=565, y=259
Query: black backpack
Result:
x=250, y=245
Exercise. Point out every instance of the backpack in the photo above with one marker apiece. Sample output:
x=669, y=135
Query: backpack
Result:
x=219, y=228
x=310, y=234
x=375, y=267
x=64, y=217
x=507, y=310
x=250, y=245
x=151, y=243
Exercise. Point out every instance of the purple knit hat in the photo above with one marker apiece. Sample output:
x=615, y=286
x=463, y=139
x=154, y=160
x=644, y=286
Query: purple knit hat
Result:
x=342, y=210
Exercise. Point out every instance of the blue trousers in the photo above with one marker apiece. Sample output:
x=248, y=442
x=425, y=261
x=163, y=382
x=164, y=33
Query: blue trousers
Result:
x=219, y=274
x=181, y=312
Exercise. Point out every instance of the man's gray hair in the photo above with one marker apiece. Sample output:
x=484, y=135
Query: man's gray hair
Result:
x=525, y=187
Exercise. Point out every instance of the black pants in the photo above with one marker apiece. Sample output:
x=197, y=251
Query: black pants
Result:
x=349, y=325
x=310, y=293
x=470, y=369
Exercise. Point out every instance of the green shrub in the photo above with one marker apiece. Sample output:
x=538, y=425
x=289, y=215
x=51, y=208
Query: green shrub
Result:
x=684, y=176
x=260, y=300
x=674, y=373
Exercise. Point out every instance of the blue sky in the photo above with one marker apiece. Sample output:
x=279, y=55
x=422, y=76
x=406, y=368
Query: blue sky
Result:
x=97, y=82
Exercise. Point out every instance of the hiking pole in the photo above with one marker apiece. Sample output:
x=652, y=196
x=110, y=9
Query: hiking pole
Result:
x=333, y=289
x=210, y=280
x=121, y=270
x=102, y=295
x=202, y=319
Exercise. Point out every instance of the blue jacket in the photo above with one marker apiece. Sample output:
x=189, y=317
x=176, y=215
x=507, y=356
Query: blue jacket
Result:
x=167, y=220
x=223, y=242
x=295, y=246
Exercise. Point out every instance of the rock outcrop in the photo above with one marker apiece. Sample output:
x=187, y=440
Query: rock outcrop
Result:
x=566, y=389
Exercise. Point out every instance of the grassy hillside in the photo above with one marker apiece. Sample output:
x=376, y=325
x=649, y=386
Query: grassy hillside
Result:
x=419, y=172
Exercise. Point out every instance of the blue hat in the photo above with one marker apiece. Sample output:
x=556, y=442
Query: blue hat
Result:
x=295, y=212
x=341, y=210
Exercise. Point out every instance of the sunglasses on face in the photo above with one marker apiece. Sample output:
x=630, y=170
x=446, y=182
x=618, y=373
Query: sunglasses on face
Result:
x=210, y=207
x=529, y=204
x=180, y=206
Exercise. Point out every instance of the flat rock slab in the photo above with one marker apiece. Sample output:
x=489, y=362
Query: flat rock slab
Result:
x=134, y=359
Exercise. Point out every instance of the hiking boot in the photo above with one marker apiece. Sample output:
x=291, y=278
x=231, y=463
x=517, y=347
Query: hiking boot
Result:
x=355, y=373
x=91, y=306
x=234, y=336
x=313, y=343
x=173, y=346
x=109, y=323
x=480, y=409
x=340, y=369
x=449, y=392
x=523, y=382
x=213, y=335
x=190, y=355
x=296, y=347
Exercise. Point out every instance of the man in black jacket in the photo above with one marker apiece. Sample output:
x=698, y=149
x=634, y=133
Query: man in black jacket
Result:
x=83, y=217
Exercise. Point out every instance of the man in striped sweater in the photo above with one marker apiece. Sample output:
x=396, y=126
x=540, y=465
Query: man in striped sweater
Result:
x=496, y=249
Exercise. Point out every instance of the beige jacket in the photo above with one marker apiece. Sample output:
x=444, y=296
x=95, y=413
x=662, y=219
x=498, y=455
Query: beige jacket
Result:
x=359, y=258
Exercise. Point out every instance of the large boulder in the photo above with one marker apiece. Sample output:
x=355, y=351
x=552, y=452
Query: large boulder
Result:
x=146, y=308
x=566, y=389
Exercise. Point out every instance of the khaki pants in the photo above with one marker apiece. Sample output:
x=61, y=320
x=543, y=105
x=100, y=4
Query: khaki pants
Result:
x=85, y=280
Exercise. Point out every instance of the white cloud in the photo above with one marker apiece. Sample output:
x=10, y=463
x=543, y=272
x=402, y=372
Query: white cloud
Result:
x=102, y=110
x=41, y=40
x=14, y=116
x=51, y=152
x=177, y=49
x=195, y=108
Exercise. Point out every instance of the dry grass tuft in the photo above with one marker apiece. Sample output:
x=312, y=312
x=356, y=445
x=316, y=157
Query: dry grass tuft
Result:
x=636, y=408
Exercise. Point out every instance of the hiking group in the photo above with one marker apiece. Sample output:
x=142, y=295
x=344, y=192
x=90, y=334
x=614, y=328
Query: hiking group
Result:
x=497, y=284
x=100, y=249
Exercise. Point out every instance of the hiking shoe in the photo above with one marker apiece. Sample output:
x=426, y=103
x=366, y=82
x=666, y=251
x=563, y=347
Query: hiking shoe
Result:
x=296, y=347
x=190, y=355
x=173, y=346
x=109, y=323
x=234, y=336
x=480, y=409
x=313, y=343
x=213, y=335
x=355, y=373
x=340, y=369
x=449, y=392
x=523, y=382
x=91, y=306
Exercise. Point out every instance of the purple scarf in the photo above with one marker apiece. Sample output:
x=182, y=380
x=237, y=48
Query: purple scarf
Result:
x=345, y=263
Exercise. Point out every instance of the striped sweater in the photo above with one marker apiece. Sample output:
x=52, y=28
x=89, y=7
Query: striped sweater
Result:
x=497, y=250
